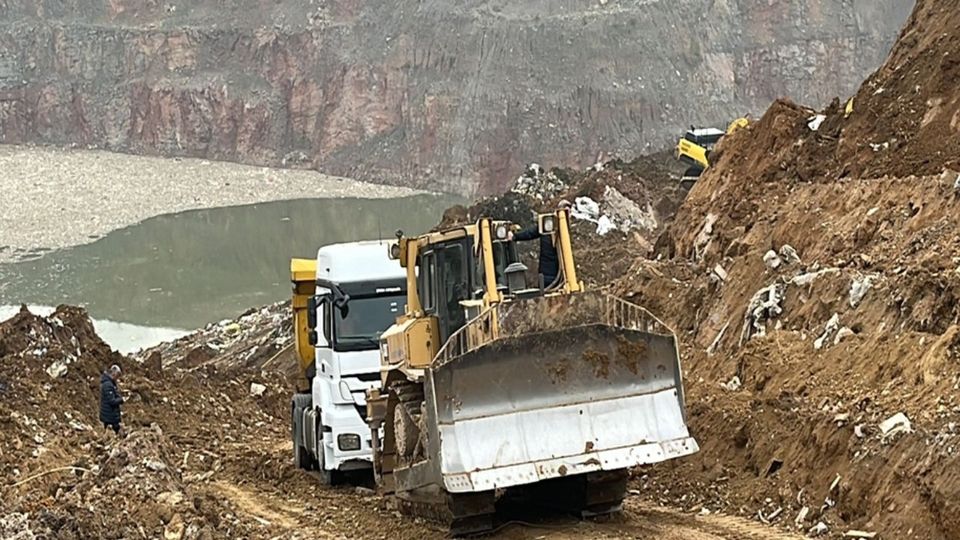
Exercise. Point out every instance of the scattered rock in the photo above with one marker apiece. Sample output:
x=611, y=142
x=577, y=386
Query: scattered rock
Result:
x=841, y=334
x=859, y=534
x=154, y=465
x=789, y=254
x=364, y=491
x=801, y=517
x=764, y=305
x=604, y=225
x=809, y=277
x=832, y=326
x=718, y=274
x=57, y=370
x=586, y=208
x=859, y=288
x=257, y=389
x=818, y=530
x=732, y=385
x=772, y=260
x=898, y=423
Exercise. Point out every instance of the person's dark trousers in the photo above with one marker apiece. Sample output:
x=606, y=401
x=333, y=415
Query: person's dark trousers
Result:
x=114, y=427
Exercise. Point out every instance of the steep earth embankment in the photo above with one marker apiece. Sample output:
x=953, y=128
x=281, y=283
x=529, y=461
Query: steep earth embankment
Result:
x=814, y=279
x=442, y=95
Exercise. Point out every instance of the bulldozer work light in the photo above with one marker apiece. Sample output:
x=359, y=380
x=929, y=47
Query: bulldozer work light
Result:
x=548, y=224
x=501, y=232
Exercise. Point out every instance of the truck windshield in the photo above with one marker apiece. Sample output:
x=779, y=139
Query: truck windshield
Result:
x=365, y=320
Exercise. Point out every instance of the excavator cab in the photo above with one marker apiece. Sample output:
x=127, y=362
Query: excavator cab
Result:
x=696, y=145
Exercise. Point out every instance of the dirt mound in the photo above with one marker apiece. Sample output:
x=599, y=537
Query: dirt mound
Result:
x=620, y=208
x=65, y=477
x=903, y=121
x=815, y=285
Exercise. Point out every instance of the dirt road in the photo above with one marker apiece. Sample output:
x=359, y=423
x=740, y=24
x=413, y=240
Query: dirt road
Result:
x=262, y=487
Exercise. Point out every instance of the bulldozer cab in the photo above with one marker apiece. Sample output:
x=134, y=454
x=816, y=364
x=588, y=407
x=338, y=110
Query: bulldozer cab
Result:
x=453, y=270
x=445, y=280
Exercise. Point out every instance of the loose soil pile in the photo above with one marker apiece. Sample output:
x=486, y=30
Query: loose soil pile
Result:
x=796, y=356
x=203, y=456
x=640, y=196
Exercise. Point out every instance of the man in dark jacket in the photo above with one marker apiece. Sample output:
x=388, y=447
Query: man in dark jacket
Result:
x=549, y=266
x=110, y=399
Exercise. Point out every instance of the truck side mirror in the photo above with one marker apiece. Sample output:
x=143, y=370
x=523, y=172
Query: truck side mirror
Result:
x=312, y=313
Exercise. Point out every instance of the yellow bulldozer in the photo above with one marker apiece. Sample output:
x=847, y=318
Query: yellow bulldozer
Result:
x=493, y=388
x=694, y=149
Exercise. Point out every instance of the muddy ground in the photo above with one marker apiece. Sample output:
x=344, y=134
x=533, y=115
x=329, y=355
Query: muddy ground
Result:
x=203, y=457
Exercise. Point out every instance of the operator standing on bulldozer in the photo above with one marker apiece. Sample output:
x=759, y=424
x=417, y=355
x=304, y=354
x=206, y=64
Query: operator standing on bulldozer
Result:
x=549, y=266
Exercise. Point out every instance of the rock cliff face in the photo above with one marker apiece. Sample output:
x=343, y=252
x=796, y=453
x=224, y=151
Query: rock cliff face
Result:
x=450, y=95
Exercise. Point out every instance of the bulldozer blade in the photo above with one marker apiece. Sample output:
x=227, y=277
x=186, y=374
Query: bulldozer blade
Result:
x=556, y=403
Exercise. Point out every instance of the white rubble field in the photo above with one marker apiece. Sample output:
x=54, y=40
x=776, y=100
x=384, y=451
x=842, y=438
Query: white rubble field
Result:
x=615, y=213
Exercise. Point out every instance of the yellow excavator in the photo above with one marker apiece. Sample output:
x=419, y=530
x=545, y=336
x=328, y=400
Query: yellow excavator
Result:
x=492, y=388
x=695, y=146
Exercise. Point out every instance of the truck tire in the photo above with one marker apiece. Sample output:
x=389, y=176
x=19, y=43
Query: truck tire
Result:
x=301, y=456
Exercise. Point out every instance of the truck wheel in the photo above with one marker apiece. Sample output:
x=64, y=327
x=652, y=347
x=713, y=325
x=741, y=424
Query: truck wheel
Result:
x=301, y=457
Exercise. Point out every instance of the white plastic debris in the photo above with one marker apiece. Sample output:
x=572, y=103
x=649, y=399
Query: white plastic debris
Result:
x=789, y=254
x=764, y=305
x=586, y=208
x=819, y=529
x=898, y=423
x=154, y=465
x=772, y=260
x=704, y=237
x=801, y=516
x=732, y=385
x=808, y=278
x=859, y=288
x=841, y=334
x=257, y=389
x=56, y=370
x=814, y=122
x=718, y=273
x=627, y=214
x=832, y=326
x=859, y=534
x=604, y=225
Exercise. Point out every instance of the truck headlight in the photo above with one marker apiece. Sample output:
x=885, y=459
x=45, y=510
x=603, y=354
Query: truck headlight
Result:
x=348, y=442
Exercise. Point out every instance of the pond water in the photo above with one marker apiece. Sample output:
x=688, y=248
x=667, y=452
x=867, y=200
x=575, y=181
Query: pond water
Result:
x=182, y=271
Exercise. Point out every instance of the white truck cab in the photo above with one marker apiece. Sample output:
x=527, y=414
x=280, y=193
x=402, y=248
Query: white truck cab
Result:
x=359, y=294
